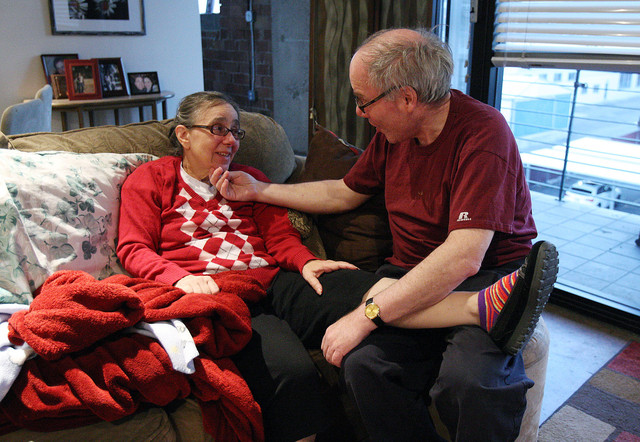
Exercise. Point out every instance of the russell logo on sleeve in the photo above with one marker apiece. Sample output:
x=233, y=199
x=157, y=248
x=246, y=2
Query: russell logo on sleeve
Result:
x=464, y=216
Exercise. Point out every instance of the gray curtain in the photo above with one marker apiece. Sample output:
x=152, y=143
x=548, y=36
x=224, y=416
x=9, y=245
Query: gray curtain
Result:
x=337, y=29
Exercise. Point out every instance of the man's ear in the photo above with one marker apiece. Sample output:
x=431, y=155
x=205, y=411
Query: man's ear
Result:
x=182, y=134
x=409, y=96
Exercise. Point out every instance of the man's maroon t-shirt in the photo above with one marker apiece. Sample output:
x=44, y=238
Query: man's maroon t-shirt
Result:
x=471, y=176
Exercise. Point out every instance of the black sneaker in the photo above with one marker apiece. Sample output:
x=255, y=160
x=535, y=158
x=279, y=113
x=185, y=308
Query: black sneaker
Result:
x=517, y=320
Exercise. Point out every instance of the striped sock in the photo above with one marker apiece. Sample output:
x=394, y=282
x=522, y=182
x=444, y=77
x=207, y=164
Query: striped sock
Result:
x=492, y=299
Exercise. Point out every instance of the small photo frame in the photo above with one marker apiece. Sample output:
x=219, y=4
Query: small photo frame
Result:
x=143, y=83
x=112, y=79
x=59, y=86
x=53, y=64
x=83, y=79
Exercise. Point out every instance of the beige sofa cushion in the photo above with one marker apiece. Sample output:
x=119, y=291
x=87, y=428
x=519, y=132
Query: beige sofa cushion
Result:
x=265, y=147
x=148, y=137
x=150, y=424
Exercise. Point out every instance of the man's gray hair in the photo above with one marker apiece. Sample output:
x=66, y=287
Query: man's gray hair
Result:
x=423, y=63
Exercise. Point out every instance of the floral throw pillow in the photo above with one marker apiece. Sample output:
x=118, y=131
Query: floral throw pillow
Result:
x=58, y=211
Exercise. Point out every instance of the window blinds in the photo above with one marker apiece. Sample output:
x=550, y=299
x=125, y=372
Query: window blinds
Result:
x=572, y=34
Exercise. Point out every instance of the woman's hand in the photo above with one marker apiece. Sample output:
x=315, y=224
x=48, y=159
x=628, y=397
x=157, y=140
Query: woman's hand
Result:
x=198, y=284
x=314, y=268
x=235, y=186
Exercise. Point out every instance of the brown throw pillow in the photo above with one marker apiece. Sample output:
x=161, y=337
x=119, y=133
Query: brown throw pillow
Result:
x=362, y=235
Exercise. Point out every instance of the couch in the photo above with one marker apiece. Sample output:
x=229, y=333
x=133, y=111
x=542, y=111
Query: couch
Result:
x=72, y=227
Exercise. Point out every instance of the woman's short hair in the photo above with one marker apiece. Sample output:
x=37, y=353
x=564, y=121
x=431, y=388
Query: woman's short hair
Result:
x=423, y=63
x=192, y=106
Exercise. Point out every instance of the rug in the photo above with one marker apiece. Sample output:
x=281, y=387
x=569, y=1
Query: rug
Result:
x=605, y=408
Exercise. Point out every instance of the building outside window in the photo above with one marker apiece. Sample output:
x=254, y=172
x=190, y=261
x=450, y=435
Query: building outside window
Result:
x=209, y=6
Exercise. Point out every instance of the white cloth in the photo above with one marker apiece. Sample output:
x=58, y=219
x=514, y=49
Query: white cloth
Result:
x=176, y=340
x=173, y=335
x=12, y=357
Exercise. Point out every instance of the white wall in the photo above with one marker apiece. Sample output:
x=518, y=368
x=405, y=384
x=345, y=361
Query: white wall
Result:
x=172, y=47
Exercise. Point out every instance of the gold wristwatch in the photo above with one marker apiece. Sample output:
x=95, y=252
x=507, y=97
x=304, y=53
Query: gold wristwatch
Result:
x=372, y=311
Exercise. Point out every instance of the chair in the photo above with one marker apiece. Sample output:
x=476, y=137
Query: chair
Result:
x=46, y=95
x=29, y=116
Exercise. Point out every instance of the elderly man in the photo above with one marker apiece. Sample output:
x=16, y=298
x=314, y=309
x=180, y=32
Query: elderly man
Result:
x=460, y=215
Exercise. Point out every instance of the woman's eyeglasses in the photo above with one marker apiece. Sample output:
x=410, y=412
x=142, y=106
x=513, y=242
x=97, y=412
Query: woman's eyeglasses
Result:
x=220, y=130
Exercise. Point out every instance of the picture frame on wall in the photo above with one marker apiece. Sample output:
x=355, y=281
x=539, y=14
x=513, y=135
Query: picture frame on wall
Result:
x=97, y=17
x=83, y=79
x=112, y=79
x=141, y=83
x=53, y=64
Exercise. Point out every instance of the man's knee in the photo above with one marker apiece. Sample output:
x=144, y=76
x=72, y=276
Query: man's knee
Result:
x=357, y=368
x=468, y=366
x=472, y=367
x=455, y=382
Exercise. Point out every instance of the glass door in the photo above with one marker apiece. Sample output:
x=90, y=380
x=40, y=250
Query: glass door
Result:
x=579, y=136
x=453, y=25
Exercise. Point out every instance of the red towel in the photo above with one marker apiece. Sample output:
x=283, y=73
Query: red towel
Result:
x=90, y=371
x=74, y=310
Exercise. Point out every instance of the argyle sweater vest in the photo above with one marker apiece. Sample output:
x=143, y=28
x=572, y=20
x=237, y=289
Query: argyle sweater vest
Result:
x=172, y=225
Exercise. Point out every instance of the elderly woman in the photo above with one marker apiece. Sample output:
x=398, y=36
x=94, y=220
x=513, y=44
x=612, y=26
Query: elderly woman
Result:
x=177, y=229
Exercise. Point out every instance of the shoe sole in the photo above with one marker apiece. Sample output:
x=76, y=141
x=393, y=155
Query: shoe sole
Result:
x=518, y=319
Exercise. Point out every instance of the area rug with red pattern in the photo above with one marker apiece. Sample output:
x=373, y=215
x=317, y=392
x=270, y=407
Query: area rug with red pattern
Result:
x=605, y=408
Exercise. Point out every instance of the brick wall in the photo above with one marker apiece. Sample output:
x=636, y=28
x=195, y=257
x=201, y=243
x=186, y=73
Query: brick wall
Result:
x=226, y=52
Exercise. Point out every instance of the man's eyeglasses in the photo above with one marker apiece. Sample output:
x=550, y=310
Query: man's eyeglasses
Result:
x=369, y=103
x=220, y=130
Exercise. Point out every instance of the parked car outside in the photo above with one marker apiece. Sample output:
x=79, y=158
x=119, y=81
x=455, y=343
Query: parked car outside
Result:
x=590, y=192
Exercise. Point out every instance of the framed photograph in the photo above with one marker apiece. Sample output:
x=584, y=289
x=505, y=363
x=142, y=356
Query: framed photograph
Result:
x=112, y=80
x=143, y=83
x=53, y=64
x=59, y=86
x=97, y=17
x=83, y=79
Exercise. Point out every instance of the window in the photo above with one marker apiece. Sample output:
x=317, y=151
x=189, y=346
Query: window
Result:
x=579, y=139
x=564, y=75
x=454, y=28
x=209, y=6
x=581, y=153
x=600, y=35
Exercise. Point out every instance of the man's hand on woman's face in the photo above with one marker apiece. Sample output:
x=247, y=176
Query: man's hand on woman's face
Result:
x=235, y=186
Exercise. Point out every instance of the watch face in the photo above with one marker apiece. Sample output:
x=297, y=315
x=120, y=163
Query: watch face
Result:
x=371, y=311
